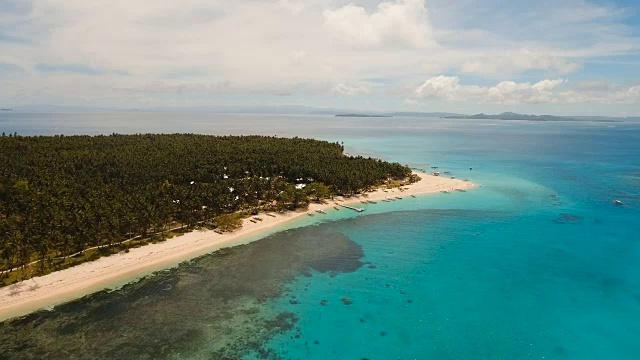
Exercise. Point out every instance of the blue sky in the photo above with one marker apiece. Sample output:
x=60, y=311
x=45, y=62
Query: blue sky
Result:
x=558, y=57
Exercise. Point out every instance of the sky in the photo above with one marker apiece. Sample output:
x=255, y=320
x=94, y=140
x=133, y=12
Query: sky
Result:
x=559, y=57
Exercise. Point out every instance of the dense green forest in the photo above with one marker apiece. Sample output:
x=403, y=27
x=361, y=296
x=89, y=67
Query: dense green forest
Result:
x=62, y=194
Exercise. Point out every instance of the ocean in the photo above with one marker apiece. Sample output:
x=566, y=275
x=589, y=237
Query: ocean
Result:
x=535, y=263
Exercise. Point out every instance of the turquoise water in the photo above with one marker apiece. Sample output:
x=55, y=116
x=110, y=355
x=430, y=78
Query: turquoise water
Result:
x=535, y=263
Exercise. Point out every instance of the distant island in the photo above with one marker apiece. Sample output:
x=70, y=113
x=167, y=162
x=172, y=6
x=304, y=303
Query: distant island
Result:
x=401, y=114
x=364, y=115
x=516, y=116
x=427, y=114
x=307, y=110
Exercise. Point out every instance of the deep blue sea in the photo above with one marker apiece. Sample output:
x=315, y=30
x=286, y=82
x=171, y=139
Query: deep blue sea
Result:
x=535, y=263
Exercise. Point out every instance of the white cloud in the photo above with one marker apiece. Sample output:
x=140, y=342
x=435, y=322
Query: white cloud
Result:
x=410, y=102
x=548, y=85
x=517, y=61
x=548, y=91
x=446, y=87
x=613, y=95
x=401, y=23
x=351, y=90
x=139, y=51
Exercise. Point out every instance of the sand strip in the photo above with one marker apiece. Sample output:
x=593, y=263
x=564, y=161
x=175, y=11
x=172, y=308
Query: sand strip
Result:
x=118, y=269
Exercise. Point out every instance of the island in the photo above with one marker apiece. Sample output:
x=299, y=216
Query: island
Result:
x=364, y=115
x=516, y=116
x=80, y=212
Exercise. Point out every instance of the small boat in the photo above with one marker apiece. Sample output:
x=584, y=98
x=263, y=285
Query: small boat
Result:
x=461, y=190
x=434, y=167
x=398, y=197
x=437, y=173
x=337, y=208
x=320, y=211
x=413, y=196
x=271, y=215
x=444, y=192
x=253, y=221
x=310, y=214
x=372, y=202
x=618, y=202
x=363, y=201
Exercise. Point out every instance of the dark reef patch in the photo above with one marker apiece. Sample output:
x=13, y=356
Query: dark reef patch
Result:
x=567, y=219
x=215, y=307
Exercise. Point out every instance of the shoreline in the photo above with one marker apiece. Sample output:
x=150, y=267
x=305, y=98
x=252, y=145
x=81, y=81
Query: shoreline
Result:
x=119, y=269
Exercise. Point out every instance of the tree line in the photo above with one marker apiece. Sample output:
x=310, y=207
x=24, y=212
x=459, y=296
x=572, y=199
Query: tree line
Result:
x=62, y=194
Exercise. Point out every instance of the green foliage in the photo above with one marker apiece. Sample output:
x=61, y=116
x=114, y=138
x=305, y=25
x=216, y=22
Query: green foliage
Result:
x=60, y=195
x=229, y=221
x=317, y=190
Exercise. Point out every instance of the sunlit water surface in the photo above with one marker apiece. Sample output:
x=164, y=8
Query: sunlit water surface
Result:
x=535, y=263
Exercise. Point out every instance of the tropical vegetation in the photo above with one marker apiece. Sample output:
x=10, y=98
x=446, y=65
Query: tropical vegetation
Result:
x=62, y=195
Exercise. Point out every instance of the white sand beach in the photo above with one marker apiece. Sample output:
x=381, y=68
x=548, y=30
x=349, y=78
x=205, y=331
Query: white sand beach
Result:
x=116, y=270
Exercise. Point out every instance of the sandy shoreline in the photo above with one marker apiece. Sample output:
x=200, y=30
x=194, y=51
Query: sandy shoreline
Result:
x=65, y=285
